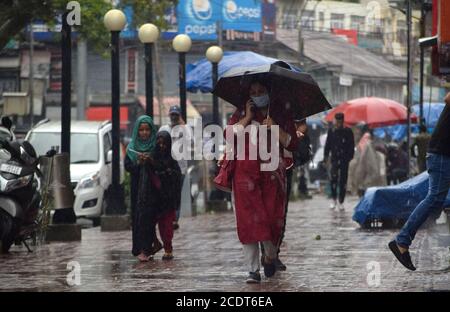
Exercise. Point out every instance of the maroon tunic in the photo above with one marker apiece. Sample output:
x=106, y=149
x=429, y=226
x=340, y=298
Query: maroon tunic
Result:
x=260, y=196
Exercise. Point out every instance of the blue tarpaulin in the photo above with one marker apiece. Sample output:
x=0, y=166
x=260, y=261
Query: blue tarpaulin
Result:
x=393, y=202
x=199, y=74
x=431, y=113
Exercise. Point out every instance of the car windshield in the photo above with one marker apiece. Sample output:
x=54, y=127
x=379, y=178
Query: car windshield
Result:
x=83, y=146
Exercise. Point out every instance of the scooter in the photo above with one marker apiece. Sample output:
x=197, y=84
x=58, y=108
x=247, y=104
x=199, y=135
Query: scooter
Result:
x=20, y=198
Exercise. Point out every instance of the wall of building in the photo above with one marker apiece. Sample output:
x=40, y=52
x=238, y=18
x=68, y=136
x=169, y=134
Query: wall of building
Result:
x=380, y=28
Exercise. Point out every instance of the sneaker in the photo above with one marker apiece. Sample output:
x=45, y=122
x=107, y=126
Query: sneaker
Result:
x=280, y=265
x=341, y=207
x=403, y=258
x=333, y=204
x=269, y=267
x=253, y=278
x=167, y=256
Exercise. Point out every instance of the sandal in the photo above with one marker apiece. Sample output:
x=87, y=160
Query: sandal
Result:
x=167, y=256
x=143, y=258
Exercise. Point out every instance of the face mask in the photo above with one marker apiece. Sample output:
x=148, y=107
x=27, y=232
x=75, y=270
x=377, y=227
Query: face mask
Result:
x=261, y=101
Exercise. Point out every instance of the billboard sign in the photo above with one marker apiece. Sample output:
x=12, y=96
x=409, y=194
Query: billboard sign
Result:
x=243, y=15
x=198, y=18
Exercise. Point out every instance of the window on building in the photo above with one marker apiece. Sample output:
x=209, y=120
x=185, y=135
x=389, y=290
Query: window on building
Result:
x=289, y=21
x=307, y=19
x=321, y=21
x=337, y=20
x=362, y=90
x=401, y=31
x=379, y=25
x=357, y=22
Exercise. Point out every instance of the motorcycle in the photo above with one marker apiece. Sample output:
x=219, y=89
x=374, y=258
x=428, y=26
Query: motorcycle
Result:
x=20, y=198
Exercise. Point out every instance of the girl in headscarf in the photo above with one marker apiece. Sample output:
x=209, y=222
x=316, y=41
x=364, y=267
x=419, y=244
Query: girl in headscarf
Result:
x=137, y=163
x=168, y=174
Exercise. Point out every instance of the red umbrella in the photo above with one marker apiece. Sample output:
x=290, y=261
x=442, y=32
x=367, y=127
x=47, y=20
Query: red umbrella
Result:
x=375, y=112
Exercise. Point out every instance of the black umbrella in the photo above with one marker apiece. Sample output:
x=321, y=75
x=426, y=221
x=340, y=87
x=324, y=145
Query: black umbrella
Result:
x=289, y=90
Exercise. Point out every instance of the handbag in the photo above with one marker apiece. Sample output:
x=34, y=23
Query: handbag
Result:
x=224, y=178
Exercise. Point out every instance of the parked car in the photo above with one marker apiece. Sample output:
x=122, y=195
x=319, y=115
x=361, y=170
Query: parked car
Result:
x=90, y=160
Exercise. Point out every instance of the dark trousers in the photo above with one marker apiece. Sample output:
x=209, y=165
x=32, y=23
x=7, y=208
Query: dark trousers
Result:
x=177, y=212
x=339, y=175
x=288, y=194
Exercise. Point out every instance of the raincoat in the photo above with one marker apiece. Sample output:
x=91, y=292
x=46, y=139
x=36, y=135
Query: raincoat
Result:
x=260, y=196
x=368, y=167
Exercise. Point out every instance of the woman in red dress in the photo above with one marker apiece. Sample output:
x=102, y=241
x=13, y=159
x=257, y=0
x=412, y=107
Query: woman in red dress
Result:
x=260, y=196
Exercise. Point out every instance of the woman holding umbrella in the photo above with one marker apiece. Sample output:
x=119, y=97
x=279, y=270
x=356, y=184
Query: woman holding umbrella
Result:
x=260, y=196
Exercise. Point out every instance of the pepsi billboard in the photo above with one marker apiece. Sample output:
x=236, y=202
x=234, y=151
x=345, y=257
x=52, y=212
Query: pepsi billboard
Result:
x=199, y=18
x=242, y=15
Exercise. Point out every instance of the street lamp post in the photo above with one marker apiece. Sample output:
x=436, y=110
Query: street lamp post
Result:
x=148, y=34
x=65, y=215
x=182, y=44
x=115, y=21
x=214, y=54
x=409, y=80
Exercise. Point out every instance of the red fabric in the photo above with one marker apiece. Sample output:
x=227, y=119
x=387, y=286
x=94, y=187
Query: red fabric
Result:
x=165, y=225
x=260, y=196
x=101, y=113
x=351, y=34
x=375, y=112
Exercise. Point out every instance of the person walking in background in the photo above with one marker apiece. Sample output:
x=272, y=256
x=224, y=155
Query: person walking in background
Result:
x=338, y=152
x=176, y=120
x=370, y=164
x=137, y=163
x=420, y=146
x=396, y=163
x=302, y=156
x=438, y=164
x=167, y=175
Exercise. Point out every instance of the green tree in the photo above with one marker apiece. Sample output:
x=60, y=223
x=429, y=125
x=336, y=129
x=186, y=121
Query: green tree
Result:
x=15, y=15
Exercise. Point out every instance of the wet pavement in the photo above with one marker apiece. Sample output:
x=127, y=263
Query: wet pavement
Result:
x=208, y=257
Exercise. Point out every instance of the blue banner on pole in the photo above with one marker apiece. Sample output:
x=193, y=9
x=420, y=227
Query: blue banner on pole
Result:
x=242, y=15
x=128, y=32
x=198, y=18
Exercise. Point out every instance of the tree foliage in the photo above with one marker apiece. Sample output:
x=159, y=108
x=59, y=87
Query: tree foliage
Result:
x=15, y=15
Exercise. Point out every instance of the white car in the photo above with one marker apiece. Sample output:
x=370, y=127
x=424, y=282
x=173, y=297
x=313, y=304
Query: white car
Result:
x=90, y=160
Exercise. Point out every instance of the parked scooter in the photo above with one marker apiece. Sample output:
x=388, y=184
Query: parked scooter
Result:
x=20, y=198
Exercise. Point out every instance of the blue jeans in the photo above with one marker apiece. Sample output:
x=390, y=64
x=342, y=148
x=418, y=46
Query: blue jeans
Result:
x=439, y=184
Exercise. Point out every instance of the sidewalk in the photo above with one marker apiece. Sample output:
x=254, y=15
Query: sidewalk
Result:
x=208, y=257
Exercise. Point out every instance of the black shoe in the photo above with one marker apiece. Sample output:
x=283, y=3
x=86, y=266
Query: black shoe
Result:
x=269, y=267
x=280, y=265
x=175, y=225
x=253, y=278
x=403, y=258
